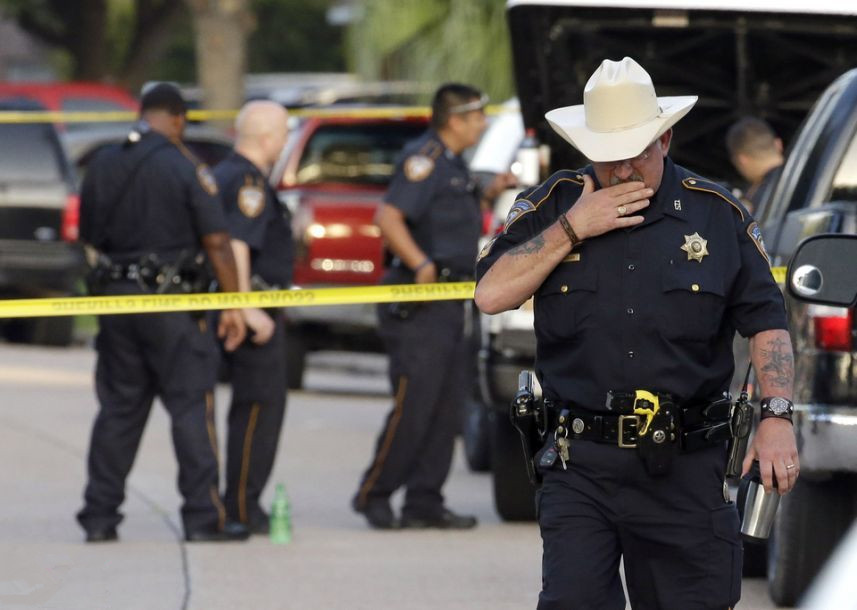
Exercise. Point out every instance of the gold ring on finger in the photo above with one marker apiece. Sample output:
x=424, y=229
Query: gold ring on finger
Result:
x=789, y=466
x=621, y=210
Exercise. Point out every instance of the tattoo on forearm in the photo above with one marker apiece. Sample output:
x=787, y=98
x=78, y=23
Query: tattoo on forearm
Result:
x=530, y=247
x=778, y=363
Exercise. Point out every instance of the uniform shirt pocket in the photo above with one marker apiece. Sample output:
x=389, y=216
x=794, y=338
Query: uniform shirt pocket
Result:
x=694, y=304
x=565, y=302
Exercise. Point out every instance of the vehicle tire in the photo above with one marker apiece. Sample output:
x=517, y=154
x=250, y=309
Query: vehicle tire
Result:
x=476, y=433
x=55, y=331
x=296, y=351
x=514, y=495
x=811, y=520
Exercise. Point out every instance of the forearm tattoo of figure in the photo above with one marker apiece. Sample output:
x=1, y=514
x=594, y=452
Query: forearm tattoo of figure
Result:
x=778, y=367
x=531, y=247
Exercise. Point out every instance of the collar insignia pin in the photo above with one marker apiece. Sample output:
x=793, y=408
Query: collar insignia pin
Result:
x=696, y=247
x=677, y=205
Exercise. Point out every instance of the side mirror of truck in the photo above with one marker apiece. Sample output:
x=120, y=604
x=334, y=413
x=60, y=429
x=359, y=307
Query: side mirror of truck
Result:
x=824, y=270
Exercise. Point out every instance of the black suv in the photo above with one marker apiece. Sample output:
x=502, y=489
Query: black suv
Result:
x=38, y=224
x=817, y=193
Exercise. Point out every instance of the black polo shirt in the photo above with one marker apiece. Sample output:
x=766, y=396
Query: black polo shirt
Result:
x=148, y=197
x=433, y=188
x=256, y=217
x=651, y=307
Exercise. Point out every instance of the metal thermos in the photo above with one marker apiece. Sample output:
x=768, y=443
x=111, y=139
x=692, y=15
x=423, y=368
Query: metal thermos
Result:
x=759, y=507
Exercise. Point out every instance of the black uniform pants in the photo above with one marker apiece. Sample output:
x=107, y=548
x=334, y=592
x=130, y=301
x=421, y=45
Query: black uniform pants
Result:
x=428, y=357
x=678, y=537
x=172, y=356
x=258, y=377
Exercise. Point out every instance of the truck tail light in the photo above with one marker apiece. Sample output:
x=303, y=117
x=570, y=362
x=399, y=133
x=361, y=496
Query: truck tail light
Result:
x=833, y=327
x=70, y=229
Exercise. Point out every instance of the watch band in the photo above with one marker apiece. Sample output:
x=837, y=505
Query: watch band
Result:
x=776, y=406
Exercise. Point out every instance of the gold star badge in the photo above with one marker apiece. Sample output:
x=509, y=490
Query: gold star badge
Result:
x=695, y=246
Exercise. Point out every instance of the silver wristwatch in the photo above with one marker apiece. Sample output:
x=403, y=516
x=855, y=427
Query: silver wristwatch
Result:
x=777, y=406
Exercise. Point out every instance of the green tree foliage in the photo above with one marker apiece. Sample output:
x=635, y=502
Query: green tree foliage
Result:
x=132, y=41
x=294, y=36
x=104, y=39
x=434, y=41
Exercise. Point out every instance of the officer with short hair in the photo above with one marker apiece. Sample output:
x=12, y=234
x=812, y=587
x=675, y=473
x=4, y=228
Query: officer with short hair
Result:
x=148, y=207
x=264, y=253
x=430, y=220
x=641, y=273
x=757, y=154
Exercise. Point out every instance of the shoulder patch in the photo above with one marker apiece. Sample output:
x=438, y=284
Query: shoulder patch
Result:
x=521, y=207
x=206, y=179
x=251, y=200
x=755, y=234
x=418, y=167
x=706, y=186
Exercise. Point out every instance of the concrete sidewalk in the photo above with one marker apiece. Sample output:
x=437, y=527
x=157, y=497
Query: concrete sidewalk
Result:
x=334, y=561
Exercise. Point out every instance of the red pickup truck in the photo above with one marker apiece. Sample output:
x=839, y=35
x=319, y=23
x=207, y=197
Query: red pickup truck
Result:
x=336, y=169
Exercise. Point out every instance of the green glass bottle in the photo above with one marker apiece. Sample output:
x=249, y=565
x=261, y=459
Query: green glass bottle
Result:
x=281, y=517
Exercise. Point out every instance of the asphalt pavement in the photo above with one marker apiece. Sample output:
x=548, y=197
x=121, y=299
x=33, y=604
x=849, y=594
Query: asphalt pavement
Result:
x=334, y=561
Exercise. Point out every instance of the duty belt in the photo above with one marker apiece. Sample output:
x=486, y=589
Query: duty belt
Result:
x=696, y=426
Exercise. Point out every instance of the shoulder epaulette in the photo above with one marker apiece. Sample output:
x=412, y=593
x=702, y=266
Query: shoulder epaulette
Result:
x=695, y=183
x=539, y=194
x=530, y=200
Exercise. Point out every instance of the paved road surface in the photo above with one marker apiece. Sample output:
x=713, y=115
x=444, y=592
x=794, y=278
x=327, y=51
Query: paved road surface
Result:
x=334, y=561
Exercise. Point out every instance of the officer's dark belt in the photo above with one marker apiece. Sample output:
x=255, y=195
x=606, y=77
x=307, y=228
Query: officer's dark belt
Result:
x=699, y=425
x=143, y=275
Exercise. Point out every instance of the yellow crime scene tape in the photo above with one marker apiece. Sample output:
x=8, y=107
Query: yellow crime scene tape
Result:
x=301, y=297
x=47, y=116
x=152, y=303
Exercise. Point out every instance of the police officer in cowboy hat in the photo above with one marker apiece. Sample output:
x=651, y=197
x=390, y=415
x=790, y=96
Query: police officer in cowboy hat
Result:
x=642, y=272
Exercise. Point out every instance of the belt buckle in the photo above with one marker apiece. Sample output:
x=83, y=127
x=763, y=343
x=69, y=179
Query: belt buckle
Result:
x=621, y=435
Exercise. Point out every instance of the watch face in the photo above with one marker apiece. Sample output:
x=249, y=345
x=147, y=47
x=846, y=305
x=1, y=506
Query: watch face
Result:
x=779, y=406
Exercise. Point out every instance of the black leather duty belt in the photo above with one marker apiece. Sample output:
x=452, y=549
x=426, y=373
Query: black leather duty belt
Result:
x=695, y=427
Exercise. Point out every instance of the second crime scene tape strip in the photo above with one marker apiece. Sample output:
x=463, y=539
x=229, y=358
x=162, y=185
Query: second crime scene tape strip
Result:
x=303, y=297
x=153, y=303
x=48, y=116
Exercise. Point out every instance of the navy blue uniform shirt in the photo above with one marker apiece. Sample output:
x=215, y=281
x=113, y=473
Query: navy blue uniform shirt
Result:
x=152, y=196
x=433, y=188
x=256, y=217
x=652, y=307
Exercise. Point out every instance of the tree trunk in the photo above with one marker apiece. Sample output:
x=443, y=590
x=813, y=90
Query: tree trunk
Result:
x=153, y=31
x=89, y=46
x=221, y=28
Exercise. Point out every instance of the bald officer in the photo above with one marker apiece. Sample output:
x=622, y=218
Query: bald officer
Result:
x=263, y=249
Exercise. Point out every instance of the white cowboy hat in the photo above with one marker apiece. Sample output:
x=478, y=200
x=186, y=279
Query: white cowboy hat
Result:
x=620, y=115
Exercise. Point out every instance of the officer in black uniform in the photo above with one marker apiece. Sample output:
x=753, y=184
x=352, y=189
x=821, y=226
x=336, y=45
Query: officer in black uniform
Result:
x=430, y=220
x=148, y=207
x=757, y=154
x=642, y=272
x=264, y=253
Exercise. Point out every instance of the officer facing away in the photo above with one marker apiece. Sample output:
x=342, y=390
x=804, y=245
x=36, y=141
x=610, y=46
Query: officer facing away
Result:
x=430, y=220
x=148, y=207
x=642, y=272
x=264, y=253
x=757, y=154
